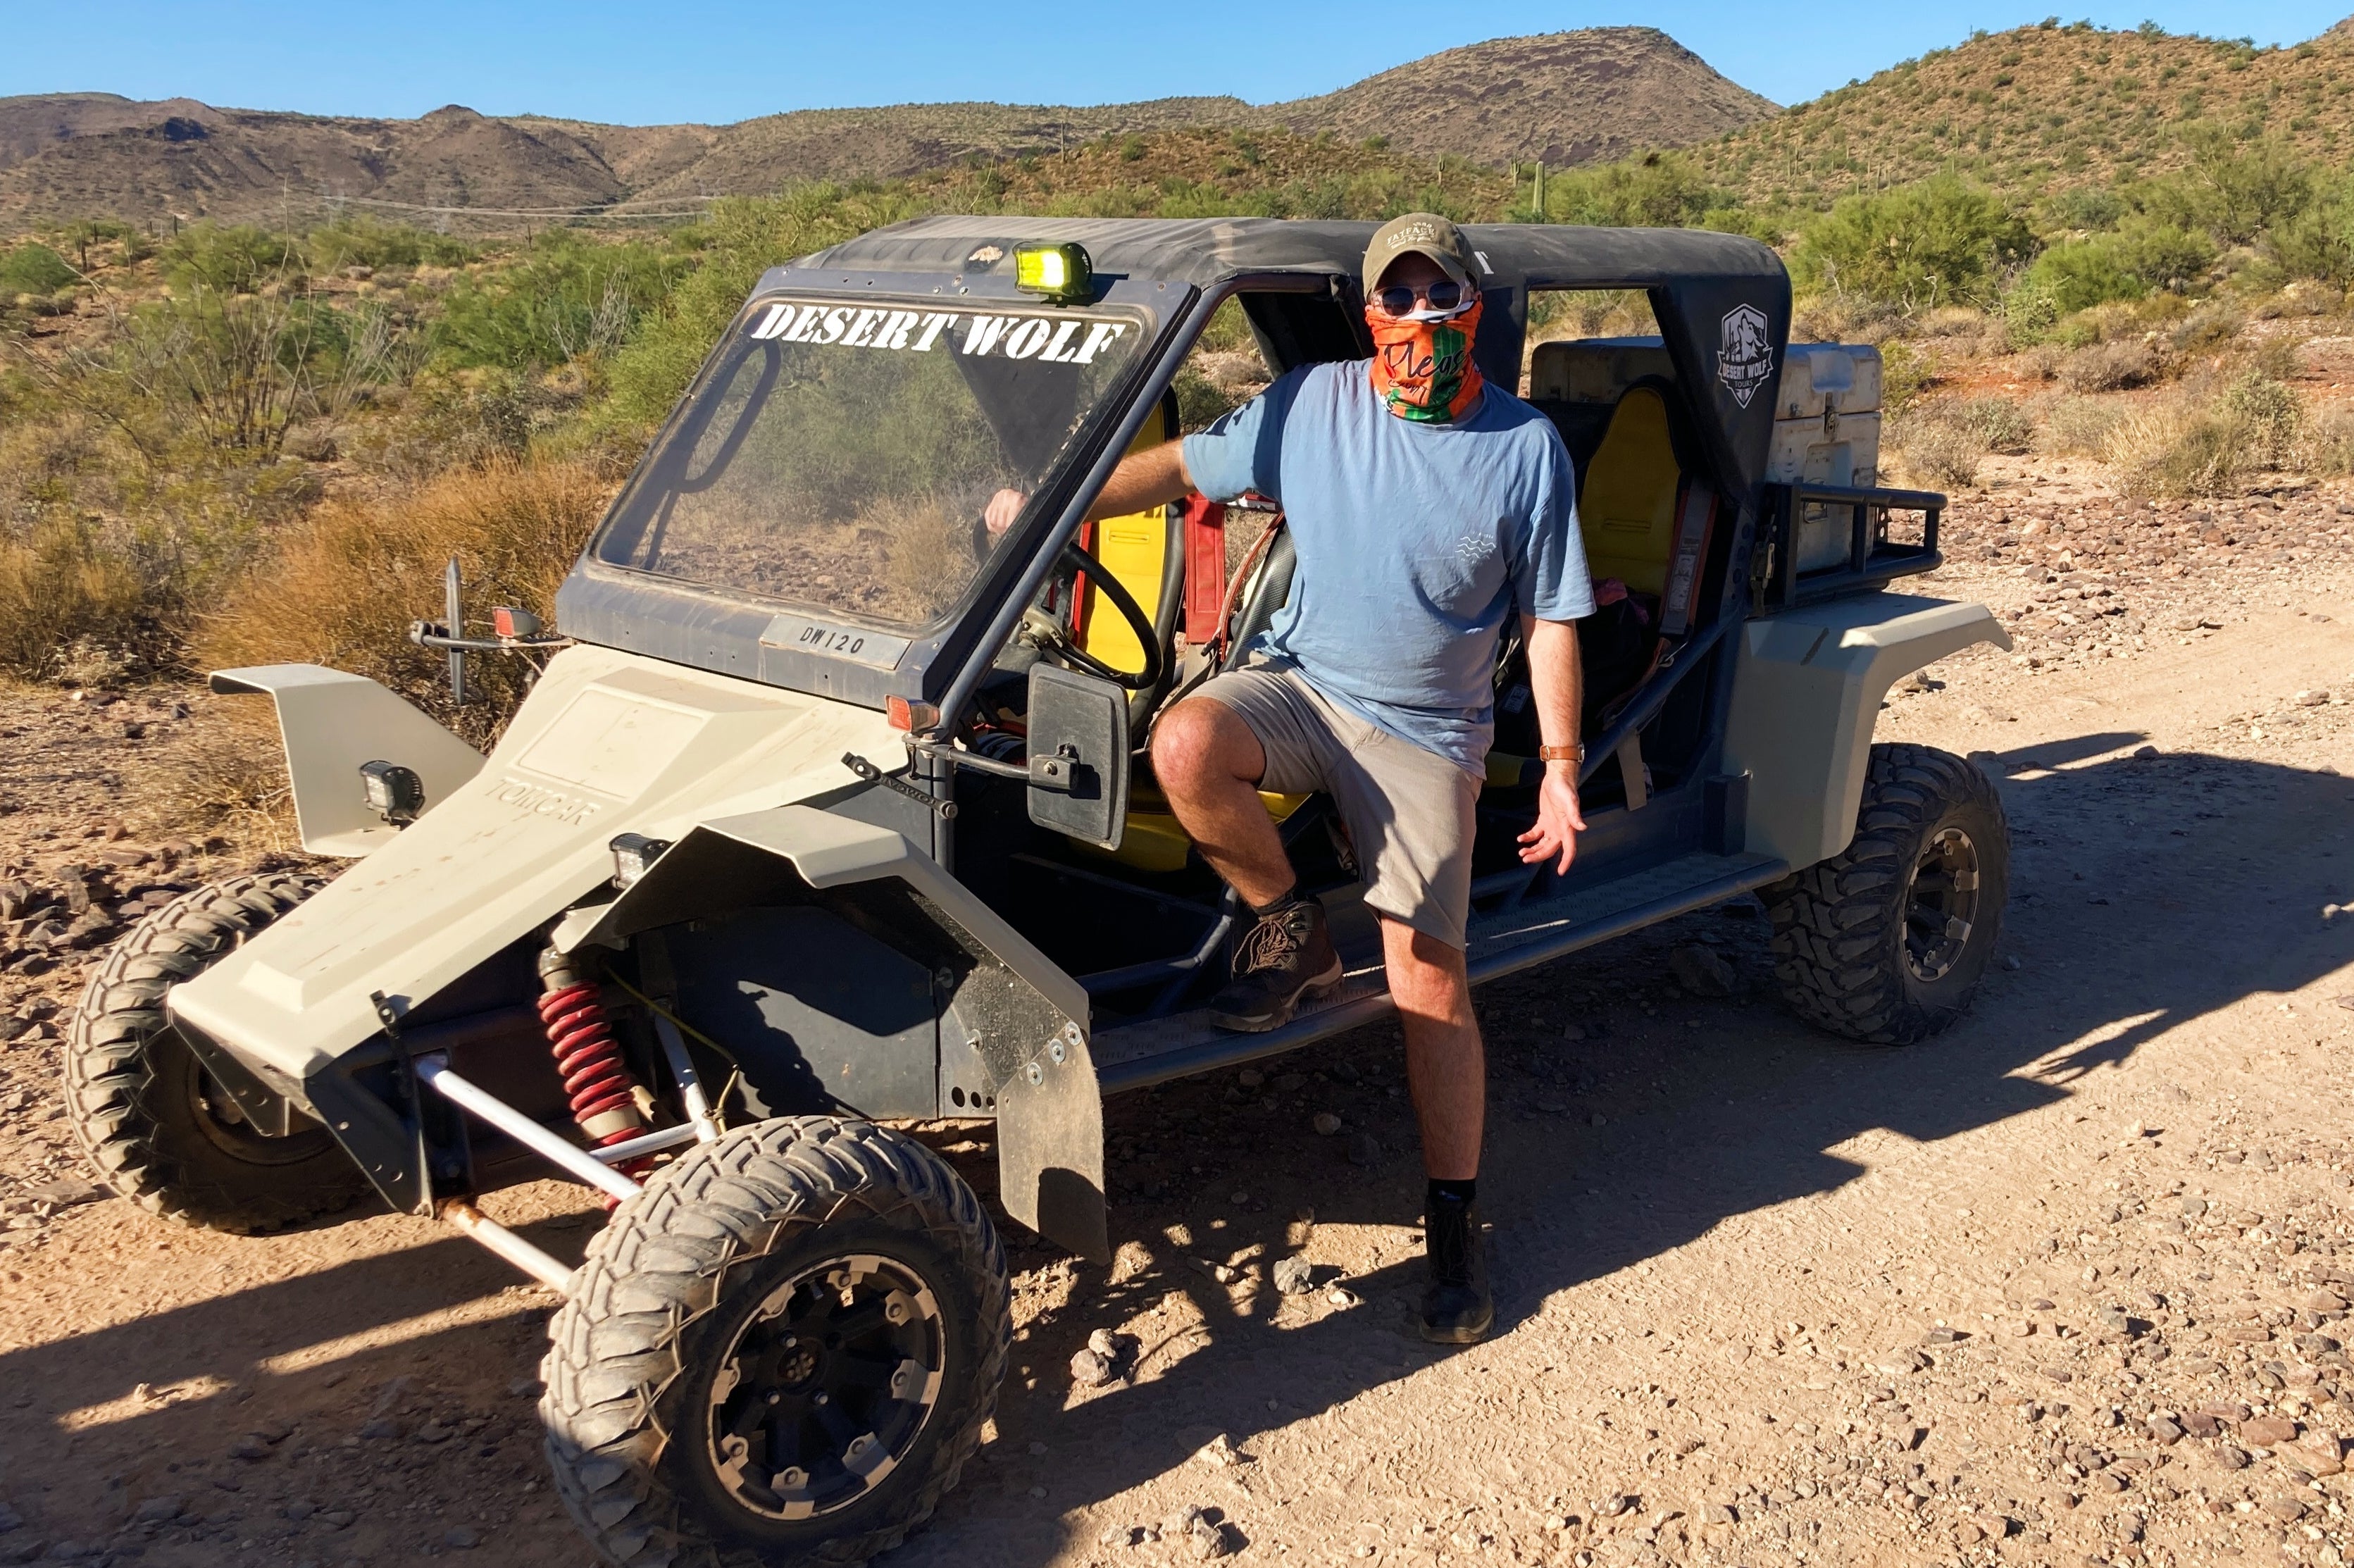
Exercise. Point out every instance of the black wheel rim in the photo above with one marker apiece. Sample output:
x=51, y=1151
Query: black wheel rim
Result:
x=219, y=1121
x=827, y=1386
x=1941, y=908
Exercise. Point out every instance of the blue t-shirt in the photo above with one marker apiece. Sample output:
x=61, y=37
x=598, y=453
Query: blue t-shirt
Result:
x=1415, y=541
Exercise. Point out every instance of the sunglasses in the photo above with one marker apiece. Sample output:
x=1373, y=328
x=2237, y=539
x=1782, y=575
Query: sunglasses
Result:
x=1446, y=294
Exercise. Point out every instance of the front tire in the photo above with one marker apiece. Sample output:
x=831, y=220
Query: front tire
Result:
x=1885, y=941
x=781, y=1352
x=152, y=1123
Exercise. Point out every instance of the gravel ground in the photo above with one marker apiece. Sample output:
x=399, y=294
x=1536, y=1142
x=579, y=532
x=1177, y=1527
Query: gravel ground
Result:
x=2064, y=1286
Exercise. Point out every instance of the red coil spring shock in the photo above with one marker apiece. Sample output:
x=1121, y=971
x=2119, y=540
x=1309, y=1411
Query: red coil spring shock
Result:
x=596, y=1081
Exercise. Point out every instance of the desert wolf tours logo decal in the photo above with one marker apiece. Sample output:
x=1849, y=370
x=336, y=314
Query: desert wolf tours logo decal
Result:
x=1059, y=339
x=1744, y=359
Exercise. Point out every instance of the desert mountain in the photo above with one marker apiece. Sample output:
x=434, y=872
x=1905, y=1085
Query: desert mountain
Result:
x=2041, y=110
x=1565, y=97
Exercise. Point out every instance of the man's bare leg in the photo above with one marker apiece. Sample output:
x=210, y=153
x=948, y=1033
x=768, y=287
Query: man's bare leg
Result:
x=1446, y=1063
x=1209, y=764
x=1447, y=1073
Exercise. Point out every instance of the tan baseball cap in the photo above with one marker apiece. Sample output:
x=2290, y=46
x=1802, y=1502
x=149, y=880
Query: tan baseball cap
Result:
x=1423, y=234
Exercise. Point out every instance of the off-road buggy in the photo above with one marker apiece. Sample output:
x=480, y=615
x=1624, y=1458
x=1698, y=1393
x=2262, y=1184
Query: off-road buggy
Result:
x=830, y=809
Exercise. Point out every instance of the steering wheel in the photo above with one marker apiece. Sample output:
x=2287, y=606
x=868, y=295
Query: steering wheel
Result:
x=1147, y=636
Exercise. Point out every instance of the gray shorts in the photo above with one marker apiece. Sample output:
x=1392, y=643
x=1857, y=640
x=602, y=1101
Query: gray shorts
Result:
x=1411, y=813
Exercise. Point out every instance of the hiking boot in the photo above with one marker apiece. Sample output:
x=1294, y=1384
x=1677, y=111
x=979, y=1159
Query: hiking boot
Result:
x=1287, y=955
x=1456, y=1307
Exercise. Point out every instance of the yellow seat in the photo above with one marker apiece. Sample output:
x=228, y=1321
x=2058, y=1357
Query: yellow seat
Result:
x=1627, y=509
x=1139, y=550
x=1154, y=842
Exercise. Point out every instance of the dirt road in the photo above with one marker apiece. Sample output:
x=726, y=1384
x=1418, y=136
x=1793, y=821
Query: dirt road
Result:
x=2062, y=1286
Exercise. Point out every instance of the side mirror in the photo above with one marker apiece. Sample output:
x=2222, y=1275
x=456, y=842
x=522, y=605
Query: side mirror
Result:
x=1078, y=755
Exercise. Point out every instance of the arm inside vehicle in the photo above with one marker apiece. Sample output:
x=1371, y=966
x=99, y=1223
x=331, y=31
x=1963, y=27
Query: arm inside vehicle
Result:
x=1144, y=480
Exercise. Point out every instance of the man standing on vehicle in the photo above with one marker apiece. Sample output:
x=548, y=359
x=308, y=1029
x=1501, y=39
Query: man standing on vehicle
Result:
x=1425, y=506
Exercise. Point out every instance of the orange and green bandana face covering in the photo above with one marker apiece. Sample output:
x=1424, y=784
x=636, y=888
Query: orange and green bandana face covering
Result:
x=1421, y=368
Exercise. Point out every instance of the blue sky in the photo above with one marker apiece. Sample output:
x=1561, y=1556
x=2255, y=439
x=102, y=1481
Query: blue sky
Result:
x=718, y=60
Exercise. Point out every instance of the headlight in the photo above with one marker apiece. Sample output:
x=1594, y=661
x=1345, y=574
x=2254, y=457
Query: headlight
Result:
x=395, y=793
x=632, y=853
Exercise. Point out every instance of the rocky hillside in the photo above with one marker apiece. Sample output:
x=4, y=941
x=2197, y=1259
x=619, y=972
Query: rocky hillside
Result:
x=1565, y=97
x=2045, y=108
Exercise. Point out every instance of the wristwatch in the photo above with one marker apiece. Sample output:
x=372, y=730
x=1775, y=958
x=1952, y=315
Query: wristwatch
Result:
x=1573, y=753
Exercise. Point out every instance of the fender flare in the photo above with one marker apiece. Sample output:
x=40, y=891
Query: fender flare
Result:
x=1026, y=1018
x=1805, y=696
x=330, y=724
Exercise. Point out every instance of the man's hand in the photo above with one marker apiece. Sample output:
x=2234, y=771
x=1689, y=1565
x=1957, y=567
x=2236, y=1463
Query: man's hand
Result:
x=1002, y=509
x=1151, y=478
x=1558, y=820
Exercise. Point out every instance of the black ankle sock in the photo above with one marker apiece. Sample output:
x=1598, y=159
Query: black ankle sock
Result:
x=1451, y=1192
x=1278, y=903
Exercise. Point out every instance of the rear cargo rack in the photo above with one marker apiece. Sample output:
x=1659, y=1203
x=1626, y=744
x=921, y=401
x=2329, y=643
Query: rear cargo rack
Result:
x=1871, y=558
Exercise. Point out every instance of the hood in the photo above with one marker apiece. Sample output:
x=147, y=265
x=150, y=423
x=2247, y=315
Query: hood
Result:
x=608, y=743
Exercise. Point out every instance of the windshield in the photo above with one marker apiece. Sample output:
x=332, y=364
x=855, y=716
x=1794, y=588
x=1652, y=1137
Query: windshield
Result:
x=840, y=456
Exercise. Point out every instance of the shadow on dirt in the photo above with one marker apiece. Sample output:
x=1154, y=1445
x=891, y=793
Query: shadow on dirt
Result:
x=2146, y=896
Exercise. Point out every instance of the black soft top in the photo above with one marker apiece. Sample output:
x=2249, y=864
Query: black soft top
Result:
x=1204, y=251
x=1723, y=299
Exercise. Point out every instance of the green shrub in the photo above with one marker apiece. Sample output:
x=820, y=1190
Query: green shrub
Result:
x=2231, y=189
x=32, y=269
x=1658, y=190
x=2269, y=414
x=2318, y=242
x=1999, y=424
x=230, y=259
x=356, y=239
x=2141, y=255
x=1936, y=242
x=567, y=297
x=744, y=237
x=235, y=371
x=2082, y=273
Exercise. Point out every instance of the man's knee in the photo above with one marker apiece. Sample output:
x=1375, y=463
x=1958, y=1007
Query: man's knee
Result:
x=1425, y=974
x=1192, y=745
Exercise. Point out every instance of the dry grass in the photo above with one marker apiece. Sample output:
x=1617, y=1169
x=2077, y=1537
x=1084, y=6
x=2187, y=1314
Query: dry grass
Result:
x=928, y=550
x=1944, y=438
x=2077, y=427
x=343, y=588
x=2207, y=442
x=227, y=777
x=69, y=607
x=1941, y=454
x=2114, y=366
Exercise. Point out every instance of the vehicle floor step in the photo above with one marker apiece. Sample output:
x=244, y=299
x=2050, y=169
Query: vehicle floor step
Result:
x=1152, y=1051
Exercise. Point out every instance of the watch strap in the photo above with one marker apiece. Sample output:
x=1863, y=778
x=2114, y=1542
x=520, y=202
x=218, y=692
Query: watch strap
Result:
x=1575, y=753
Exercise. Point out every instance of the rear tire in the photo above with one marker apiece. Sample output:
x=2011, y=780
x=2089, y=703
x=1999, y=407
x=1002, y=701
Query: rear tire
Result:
x=1885, y=941
x=781, y=1352
x=154, y=1124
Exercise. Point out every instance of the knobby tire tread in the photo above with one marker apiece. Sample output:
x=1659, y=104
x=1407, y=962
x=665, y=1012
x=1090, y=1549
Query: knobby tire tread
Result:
x=110, y=1080
x=664, y=1262
x=1839, y=925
